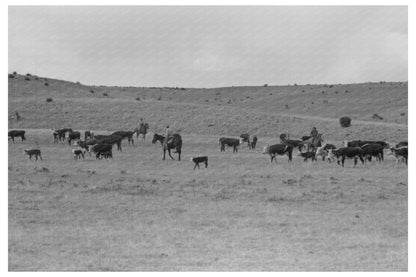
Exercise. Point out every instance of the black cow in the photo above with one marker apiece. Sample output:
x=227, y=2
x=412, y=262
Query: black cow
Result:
x=373, y=150
x=360, y=143
x=125, y=134
x=246, y=138
x=253, y=142
x=232, y=142
x=346, y=153
x=59, y=134
x=278, y=149
x=106, y=155
x=88, y=135
x=198, y=160
x=101, y=148
x=73, y=136
x=17, y=133
x=308, y=155
x=111, y=139
x=33, y=152
x=402, y=144
x=328, y=146
x=400, y=154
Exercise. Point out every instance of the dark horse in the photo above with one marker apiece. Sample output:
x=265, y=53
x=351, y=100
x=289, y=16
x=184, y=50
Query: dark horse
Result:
x=175, y=142
x=315, y=142
x=142, y=130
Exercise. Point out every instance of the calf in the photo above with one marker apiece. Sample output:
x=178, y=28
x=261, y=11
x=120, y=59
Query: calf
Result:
x=373, y=150
x=198, y=160
x=78, y=154
x=278, y=149
x=346, y=153
x=323, y=151
x=232, y=142
x=17, y=133
x=400, y=154
x=105, y=154
x=87, y=145
x=308, y=155
x=34, y=152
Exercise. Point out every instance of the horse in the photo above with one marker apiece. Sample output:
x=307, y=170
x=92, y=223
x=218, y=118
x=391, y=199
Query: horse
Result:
x=175, y=142
x=315, y=142
x=142, y=130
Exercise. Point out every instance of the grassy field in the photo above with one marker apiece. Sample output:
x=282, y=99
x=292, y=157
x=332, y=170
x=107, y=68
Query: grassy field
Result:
x=242, y=213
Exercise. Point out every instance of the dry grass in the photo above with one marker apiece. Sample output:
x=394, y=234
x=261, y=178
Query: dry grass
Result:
x=137, y=212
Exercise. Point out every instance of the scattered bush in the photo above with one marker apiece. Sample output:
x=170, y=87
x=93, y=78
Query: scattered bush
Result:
x=11, y=76
x=265, y=85
x=160, y=98
x=323, y=92
x=402, y=114
x=49, y=100
x=14, y=73
x=345, y=121
x=105, y=94
x=336, y=92
x=27, y=78
x=331, y=86
x=28, y=75
x=138, y=98
x=36, y=78
x=92, y=91
x=46, y=84
x=287, y=106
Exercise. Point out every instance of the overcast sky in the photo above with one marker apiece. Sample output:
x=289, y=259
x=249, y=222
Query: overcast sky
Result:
x=209, y=46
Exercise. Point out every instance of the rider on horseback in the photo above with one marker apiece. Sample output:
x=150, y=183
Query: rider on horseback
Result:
x=314, y=132
x=168, y=135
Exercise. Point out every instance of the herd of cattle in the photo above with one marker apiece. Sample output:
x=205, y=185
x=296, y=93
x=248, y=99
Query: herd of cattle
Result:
x=309, y=147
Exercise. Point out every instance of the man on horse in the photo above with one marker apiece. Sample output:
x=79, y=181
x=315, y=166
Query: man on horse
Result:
x=168, y=135
x=314, y=132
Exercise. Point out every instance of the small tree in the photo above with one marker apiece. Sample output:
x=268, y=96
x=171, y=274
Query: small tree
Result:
x=345, y=121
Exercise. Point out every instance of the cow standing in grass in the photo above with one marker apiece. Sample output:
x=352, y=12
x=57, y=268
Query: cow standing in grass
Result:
x=279, y=149
x=231, y=142
x=17, y=133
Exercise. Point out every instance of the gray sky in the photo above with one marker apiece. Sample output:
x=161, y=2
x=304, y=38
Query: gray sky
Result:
x=209, y=46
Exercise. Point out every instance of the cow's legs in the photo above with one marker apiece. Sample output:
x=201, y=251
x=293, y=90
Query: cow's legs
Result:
x=164, y=153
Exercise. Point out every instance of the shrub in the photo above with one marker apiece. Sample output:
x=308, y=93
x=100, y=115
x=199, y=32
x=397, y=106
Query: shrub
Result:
x=105, y=94
x=27, y=78
x=14, y=73
x=46, y=84
x=160, y=98
x=28, y=74
x=138, y=98
x=11, y=76
x=266, y=85
x=49, y=100
x=345, y=121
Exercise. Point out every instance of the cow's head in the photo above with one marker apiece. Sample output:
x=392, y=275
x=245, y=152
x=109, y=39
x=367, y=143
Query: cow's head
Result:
x=266, y=149
x=345, y=143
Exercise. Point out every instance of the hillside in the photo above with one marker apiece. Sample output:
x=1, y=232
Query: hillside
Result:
x=265, y=111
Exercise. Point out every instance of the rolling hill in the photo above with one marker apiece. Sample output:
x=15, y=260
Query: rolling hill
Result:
x=262, y=110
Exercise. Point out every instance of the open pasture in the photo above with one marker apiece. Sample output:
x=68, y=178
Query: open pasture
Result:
x=242, y=213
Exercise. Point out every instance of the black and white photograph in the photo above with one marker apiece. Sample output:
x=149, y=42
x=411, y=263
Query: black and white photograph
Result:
x=207, y=138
